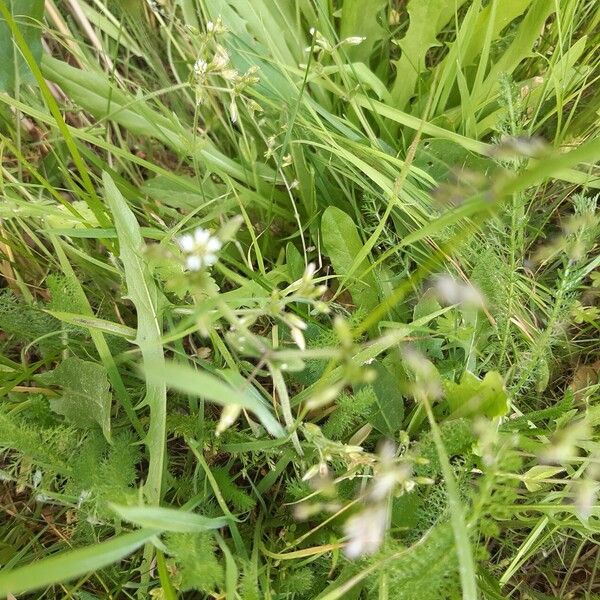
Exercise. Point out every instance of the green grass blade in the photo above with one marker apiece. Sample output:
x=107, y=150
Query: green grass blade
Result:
x=68, y=565
x=92, y=198
x=144, y=294
x=167, y=519
x=198, y=383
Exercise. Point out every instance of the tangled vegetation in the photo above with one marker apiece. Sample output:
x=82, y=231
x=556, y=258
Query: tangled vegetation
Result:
x=299, y=299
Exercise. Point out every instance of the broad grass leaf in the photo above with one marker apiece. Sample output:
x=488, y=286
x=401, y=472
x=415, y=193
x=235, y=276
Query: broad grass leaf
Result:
x=144, y=294
x=520, y=48
x=200, y=383
x=474, y=397
x=168, y=519
x=86, y=397
x=94, y=91
x=504, y=13
x=69, y=565
x=342, y=244
x=28, y=15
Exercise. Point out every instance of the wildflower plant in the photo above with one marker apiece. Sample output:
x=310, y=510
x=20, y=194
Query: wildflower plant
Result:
x=299, y=299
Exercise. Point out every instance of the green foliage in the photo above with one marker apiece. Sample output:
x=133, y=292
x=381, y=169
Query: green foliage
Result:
x=188, y=380
x=426, y=19
x=101, y=473
x=427, y=569
x=310, y=400
x=85, y=397
x=473, y=396
x=71, y=564
x=388, y=412
x=197, y=565
x=457, y=437
x=299, y=583
x=350, y=413
x=28, y=16
x=64, y=295
x=343, y=244
x=49, y=446
x=356, y=21
x=233, y=494
x=27, y=322
x=166, y=519
x=144, y=294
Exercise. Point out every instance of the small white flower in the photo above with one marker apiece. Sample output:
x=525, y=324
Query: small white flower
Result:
x=201, y=236
x=37, y=478
x=296, y=321
x=452, y=291
x=200, y=67
x=200, y=248
x=210, y=27
x=383, y=485
x=366, y=531
x=221, y=59
x=229, y=415
x=83, y=497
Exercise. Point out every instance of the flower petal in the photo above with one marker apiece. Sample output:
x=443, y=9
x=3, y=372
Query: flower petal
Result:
x=186, y=242
x=213, y=244
x=194, y=263
x=201, y=236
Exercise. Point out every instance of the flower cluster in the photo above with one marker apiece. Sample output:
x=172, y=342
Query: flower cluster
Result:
x=213, y=59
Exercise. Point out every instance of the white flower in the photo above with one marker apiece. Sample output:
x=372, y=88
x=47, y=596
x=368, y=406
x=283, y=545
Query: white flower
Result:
x=200, y=248
x=200, y=67
x=453, y=291
x=186, y=243
x=221, y=59
x=366, y=531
